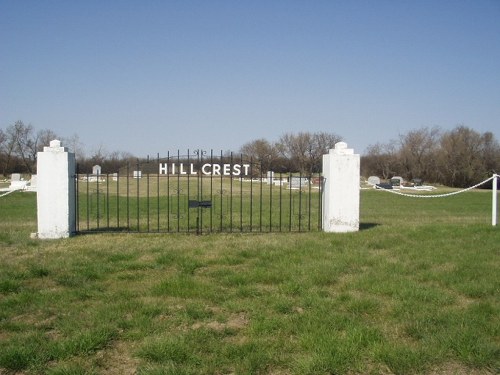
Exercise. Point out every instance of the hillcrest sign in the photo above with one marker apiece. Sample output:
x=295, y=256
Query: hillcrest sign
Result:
x=207, y=169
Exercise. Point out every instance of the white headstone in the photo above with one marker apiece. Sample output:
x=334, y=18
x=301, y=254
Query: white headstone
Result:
x=374, y=180
x=270, y=177
x=15, y=177
x=298, y=182
x=137, y=174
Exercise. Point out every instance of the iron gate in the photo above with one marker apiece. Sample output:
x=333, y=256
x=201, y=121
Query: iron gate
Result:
x=199, y=192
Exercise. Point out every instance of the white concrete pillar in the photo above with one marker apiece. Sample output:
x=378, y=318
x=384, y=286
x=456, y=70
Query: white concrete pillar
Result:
x=341, y=171
x=56, y=192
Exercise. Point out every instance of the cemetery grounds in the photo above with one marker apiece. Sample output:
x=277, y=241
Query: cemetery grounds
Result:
x=415, y=291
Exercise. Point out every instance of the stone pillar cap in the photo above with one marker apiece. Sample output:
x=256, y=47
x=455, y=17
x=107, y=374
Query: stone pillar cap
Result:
x=341, y=149
x=55, y=146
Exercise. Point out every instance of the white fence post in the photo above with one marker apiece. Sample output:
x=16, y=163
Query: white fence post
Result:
x=341, y=170
x=55, y=192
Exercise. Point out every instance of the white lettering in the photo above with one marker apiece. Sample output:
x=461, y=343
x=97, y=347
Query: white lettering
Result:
x=206, y=169
x=203, y=170
x=181, y=169
x=246, y=167
x=236, y=170
x=163, y=168
x=216, y=169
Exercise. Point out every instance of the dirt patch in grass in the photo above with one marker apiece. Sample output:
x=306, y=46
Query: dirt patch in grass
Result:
x=117, y=360
x=458, y=369
x=235, y=322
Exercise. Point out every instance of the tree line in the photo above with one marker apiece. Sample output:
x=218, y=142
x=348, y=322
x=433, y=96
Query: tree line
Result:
x=459, y=157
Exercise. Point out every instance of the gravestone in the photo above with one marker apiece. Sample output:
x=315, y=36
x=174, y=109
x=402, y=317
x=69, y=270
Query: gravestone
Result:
x=16, y=182
x=96, y=169
x=32, y=183
x=137, y=174
x=396, y=181
x=374, y=180
x=270, y=177
x=298, y=182
x=417, y=182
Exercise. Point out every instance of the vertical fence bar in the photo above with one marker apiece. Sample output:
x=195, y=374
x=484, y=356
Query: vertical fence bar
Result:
x=241, y=194
x=118, y=199
x=320, y=203
x=300, y=201
x=77, y=203
x=88, y=203
x=260, y=200
x=211, y=188
x=251, y=193
x=494, y=201
x=188, y=192
x=158, y=192
x=136, y=175
x=199, y=211
x=147, y=197
x=309, y=203
x=178, y=193
x=221, y=190
x=128, y=196
x=97, y=200
x=168, y=192
x=231, y=197
x=291, y=203
x=270, y=182
x=107, y=200
x=281, y=198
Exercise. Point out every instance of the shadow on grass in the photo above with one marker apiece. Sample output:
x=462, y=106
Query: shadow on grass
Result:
x=104, y=230
x=366, y=226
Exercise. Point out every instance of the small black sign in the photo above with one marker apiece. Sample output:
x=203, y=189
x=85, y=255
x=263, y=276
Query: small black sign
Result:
x=203, y=204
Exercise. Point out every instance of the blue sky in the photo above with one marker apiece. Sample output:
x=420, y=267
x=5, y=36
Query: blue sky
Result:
x=149, y=77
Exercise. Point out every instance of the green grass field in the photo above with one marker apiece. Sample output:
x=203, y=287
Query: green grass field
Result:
x=415, y=291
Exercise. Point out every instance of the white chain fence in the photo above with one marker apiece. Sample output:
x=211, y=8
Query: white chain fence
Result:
x=437, y=195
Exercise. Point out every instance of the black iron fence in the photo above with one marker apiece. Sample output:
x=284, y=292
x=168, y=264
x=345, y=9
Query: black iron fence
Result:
x=197, y=193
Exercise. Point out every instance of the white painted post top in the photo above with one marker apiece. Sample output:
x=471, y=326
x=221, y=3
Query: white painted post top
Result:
x=55, y=146
x=341, y=149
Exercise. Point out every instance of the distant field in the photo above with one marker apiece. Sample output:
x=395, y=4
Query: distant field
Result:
x=416, y=291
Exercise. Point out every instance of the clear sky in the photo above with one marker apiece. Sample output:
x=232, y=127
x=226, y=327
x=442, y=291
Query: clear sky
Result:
x=149, y=77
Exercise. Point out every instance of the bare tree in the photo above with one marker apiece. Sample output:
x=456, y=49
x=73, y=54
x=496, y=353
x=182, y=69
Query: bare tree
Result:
x=460, y=157
x=305, y=149
x=262, y=152
x=417, y=153
x=491, y=153
x=381, y=160
x=44, y=137
x=22, y=143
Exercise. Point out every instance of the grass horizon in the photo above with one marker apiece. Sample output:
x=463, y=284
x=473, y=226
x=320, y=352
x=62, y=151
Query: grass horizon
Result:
x=415, y=291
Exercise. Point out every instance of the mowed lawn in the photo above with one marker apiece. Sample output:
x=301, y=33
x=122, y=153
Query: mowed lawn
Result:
x=416, y=291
